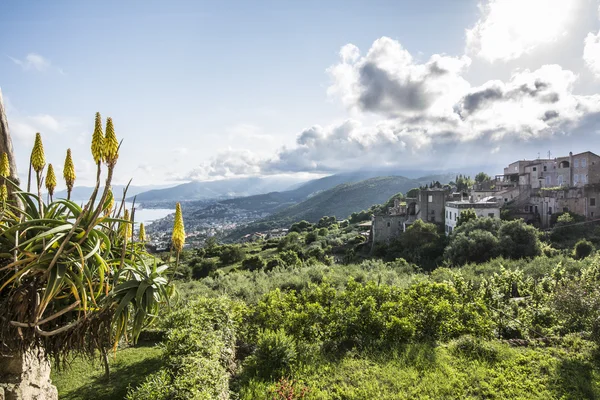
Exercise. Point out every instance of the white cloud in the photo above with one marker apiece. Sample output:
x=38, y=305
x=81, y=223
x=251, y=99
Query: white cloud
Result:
x=425, y=115
x=591, y=53
x=509, y=29
x=36, y=62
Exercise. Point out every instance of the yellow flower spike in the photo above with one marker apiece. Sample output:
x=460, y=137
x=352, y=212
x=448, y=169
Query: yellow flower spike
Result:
x=69, y=171
x=126, y=226
x=97, y=140
x=111, y=144
x=178, y=238
x=50, y=180
x=38, y=159
x=142, y=233
x=110, y=198
x=3, y=193
x=4, y=166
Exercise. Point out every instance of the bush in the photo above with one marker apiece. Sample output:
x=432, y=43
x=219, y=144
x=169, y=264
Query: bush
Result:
x=475, y=349
x=290, y=258
x=474, y=246
x=231, y=254
x=583, y=249
x=518, y=240
x=274, y=356
x=204, y=268
x=253, y=263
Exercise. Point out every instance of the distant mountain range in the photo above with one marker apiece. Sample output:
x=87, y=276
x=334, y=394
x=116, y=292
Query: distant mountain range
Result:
x=278, y=189
x=84, y=192
x=318, y=198
x=219, y=189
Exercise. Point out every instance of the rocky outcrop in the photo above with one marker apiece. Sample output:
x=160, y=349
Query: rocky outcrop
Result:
x=26, y=377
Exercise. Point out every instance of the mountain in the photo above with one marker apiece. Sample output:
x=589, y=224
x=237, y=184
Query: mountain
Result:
x=80, y=193
x=339, y=201
x=223, y=188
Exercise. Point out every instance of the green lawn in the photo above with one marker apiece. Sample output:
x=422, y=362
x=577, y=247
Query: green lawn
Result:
x=84, y=379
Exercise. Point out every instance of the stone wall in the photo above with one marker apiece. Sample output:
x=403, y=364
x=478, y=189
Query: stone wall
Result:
x=26, y=377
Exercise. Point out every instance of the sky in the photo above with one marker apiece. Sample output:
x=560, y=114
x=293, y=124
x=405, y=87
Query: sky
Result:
x=204, y=90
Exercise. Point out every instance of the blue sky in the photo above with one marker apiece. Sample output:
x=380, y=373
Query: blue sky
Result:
x=205, y=90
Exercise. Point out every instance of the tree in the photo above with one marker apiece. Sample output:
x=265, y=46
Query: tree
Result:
x=290, y=258
x=326, y=222
x=253, y=263
x=488, y=224
x=466, y=216
x=73, y=279
x=583, y=249
x=231, y=254
x=482, y=177
x=518, y=240
x=204, y=268
x=301, y=226
x=413, y=193
x=475, y=246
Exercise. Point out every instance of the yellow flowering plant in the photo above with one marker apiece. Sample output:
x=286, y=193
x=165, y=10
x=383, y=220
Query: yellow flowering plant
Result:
x=70, y=279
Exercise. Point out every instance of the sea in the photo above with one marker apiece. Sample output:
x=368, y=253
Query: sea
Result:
x=147, y=215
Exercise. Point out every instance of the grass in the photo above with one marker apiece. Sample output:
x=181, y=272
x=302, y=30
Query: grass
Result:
x=424, y=371
x=84, y=379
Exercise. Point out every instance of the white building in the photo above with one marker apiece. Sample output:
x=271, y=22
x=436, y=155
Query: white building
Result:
x=277, y=233
x=486, y=208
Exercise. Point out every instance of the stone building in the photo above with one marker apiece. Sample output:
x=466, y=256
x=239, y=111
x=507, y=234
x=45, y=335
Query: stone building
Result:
x=431, y=203
x=389, y=225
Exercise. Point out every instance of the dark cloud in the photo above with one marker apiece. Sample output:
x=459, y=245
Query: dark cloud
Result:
x=475, y=100
x=383, y=93
x=550, y=114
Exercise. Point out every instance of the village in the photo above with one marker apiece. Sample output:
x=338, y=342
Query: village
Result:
x=533, y=190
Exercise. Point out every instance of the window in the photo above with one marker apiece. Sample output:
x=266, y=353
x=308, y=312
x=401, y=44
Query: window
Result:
x=534, y=169
x=576, y=164
x=592, y=202
x=491, y=215
x=388, y=224
x=592, y=214
x=584, y=178
x=430, y=198
x=575, y=179
x=565, y=209
x=549, y=210
x=455, y=214
x=583, y=162
x=516, y=168
x=545, y=168
x=560, y=180
x=548, y=180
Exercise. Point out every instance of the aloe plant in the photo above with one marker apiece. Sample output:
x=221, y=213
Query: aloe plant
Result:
x=70, y=280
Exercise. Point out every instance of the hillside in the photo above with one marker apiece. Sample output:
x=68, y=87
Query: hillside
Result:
x=340, y=201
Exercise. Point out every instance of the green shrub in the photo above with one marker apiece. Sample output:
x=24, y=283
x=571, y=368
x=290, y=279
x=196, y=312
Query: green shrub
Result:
x=583, y=249
x=204, y=268
x=253, y=263
x=475, y=348
x=274, y=356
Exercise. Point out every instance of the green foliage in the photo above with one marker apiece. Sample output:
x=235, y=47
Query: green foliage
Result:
x=231, y=254
x=482, y=177
x=301, y=226
x=198, y=348
x=204, y=268
x=274, y=356
x=466, y=216
x=474, y=246
x=518, y=240
x=413, y=193
x=290, y=258
x=253, y=263
x=583, y=249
